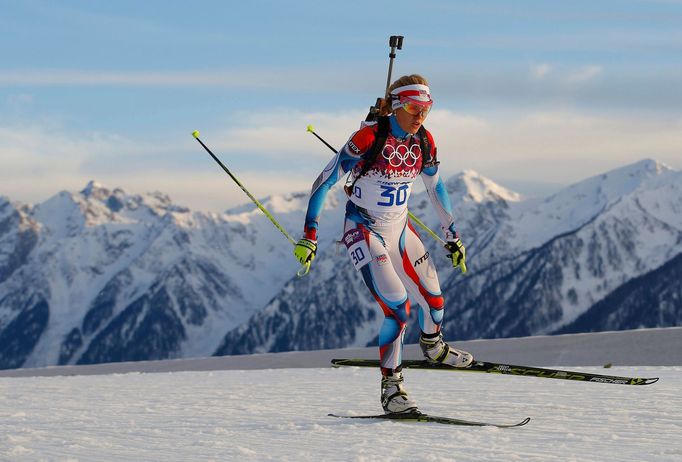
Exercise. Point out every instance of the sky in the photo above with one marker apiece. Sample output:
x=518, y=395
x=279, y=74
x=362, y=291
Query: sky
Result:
x=535, y=95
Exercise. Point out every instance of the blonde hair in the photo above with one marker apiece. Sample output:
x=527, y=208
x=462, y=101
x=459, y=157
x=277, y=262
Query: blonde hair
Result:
x=385, y=108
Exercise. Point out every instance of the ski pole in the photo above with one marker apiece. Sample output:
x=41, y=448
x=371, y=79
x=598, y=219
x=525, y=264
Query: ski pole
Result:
x=306, y=267
x=425, y=228
x=411, y=215
x=312, y=130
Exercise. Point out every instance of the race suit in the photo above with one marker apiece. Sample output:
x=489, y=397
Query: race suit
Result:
x=382, y=243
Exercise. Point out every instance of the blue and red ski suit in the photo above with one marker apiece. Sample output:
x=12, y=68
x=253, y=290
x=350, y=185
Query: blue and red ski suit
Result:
x=382, y=243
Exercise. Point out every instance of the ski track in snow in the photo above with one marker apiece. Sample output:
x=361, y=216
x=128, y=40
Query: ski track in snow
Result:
x=282, y=415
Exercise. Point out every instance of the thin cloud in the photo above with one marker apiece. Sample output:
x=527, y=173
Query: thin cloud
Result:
x=58, y=77
x=559, y=147
x=281, y=131
x=19, y=100
x=552, y=74
x=312, y=79
x=555, y=146
x=547, y=85
x=584, y=75
x=541, y=71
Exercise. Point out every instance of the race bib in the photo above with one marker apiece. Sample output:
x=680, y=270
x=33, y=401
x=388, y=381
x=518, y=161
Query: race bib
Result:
x=388, y=197
x=358, y=250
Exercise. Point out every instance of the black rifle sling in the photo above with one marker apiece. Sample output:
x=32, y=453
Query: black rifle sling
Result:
x=428, y=157
x=384, y=128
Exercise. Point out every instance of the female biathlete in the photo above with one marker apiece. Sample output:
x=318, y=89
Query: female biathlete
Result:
x=384, y=159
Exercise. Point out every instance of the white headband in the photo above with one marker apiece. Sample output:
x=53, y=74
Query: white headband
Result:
x=416, y=92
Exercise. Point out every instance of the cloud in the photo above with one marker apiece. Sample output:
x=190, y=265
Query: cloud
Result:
x=541, y=84
x=38, y=160
x=565, y=75
x=19, y=100
x=269, y=152
x=301, y=78
x=284, y=132
x=558, y=146
x=540, y=71
x=56, y=77
x=584, y=75
x=545, y=85
x=553, y=146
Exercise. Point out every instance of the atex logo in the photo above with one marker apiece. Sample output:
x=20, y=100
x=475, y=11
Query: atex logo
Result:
x=421, y=259
x=353, y=147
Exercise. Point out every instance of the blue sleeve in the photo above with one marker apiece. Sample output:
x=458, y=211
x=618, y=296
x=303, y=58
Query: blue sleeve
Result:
x=440, y=199
x=342, y=163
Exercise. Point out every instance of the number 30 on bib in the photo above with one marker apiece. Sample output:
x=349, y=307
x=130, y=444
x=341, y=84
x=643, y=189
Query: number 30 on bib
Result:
x=358, y=250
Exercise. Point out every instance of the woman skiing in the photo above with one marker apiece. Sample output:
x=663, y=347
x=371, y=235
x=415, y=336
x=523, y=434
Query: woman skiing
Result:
x=384, y=159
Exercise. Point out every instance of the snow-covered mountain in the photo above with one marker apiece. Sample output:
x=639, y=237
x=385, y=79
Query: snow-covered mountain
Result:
x=652, y=299
x=554, y=259
x=534, y=265
x=102, y=275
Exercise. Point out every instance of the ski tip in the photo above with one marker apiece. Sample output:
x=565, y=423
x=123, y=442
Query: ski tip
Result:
x=524, y=422
x=310, y=128
x=195, y=134
x=639, y=381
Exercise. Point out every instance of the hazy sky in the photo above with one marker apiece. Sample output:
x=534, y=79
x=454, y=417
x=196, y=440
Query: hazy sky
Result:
x=533, y=94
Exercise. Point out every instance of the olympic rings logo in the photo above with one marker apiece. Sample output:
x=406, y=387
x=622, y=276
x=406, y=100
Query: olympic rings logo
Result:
x=401, y=155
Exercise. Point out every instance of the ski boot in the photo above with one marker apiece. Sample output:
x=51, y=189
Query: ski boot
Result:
x=437, y=351
x=394, y=398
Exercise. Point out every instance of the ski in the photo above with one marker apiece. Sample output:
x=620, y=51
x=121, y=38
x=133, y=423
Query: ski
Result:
x=507, y=369
x=422, y=418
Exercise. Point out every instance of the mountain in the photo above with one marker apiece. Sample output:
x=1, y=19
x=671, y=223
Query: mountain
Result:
x=535, y=265
x=555, y=258
x=102, y=275
x=654, y=299
x=332, y=308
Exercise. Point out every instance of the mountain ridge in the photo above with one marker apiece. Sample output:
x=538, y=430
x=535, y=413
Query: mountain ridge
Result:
x=507, y=278
x=103, y=275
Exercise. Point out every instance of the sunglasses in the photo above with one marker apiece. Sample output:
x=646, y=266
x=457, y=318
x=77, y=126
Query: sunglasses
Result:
x=414, y=108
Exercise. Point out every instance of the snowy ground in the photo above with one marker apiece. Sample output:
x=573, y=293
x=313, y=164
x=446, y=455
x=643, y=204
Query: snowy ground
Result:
x=282, y=415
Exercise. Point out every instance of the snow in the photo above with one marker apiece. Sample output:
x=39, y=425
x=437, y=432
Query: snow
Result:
x=281, y=414
x=480, y=188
